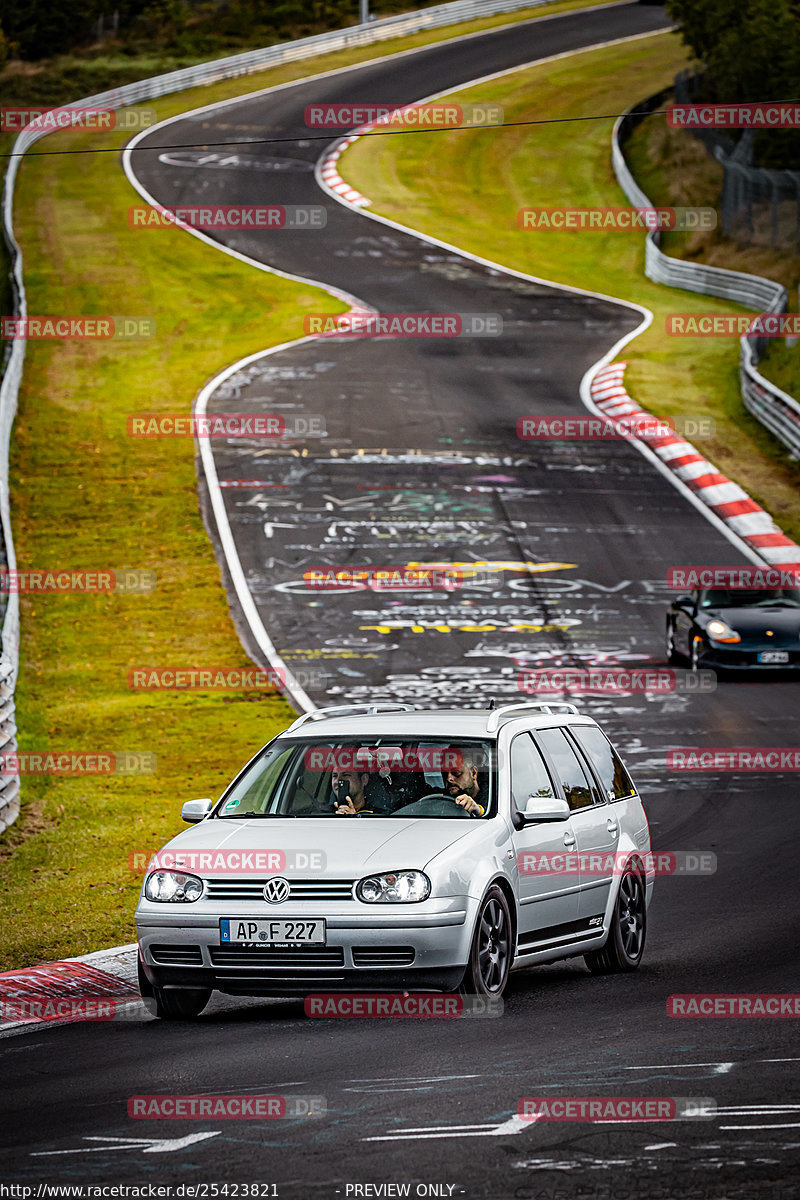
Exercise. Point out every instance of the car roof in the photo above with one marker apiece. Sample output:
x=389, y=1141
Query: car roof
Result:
x=430, y=723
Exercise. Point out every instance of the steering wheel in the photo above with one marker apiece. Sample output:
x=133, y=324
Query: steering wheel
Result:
x=432, y=805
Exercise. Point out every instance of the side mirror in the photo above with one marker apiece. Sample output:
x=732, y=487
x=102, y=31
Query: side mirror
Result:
x=683, y=600
x=196, y=810
x=545, y=808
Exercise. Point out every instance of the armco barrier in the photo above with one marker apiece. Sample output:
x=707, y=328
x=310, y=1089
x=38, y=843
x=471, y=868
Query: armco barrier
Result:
x=9, y=640
x=134, y=93
x=776, y=410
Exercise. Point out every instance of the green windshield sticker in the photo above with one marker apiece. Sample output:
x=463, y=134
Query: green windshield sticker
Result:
x=231, y=804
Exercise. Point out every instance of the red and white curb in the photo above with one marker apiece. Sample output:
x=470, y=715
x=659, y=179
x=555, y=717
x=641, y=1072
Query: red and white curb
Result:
x=54, y=993
x=328, y=171
x=726, y=500
x=329, y=174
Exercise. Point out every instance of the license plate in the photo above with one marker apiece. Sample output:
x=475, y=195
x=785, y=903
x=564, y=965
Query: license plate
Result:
x=773, y=656
x=265, y=932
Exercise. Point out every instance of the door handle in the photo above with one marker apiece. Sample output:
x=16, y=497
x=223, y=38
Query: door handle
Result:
x=569, y=839
x=612, y=825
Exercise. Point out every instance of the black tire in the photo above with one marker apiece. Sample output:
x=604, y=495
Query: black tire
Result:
x=626, y=937
x=674, y=658
x=171, y=1004
x=492, y=948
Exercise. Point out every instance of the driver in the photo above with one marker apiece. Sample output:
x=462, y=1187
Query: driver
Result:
x=461, y=781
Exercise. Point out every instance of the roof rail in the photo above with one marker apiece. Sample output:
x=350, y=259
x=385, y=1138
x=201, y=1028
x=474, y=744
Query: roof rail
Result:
x=493, y=723
x=355, y=710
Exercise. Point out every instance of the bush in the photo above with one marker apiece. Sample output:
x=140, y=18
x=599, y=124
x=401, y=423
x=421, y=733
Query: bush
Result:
x=750, y=51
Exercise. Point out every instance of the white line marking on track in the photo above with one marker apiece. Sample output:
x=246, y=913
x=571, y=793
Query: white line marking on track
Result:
x=513, y=1125
x=719, y=1068
x=790, y=1125
x=146, y=1145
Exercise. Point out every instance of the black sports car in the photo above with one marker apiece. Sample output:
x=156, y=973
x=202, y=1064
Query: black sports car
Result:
x=735, y=628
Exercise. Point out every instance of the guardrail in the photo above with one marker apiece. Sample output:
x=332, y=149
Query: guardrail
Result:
x=775, y=409
x=133, y=93
x=9, y=640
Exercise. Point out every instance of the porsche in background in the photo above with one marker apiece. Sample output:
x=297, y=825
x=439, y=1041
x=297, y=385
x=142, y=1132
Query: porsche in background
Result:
x=735, y=629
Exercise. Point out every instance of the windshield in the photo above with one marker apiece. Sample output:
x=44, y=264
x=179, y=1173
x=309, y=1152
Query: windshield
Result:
x=377, y=777
x=741, y=598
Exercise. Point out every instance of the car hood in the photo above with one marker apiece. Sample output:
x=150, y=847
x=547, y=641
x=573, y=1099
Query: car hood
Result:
x=351, y=846
x=753, y=621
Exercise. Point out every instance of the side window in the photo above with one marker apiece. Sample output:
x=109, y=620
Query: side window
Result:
x=616, y=781
x=529, y=775
x=577, y=788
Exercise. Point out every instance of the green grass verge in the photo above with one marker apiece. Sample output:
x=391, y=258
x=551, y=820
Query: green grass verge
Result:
x=85, y=495
x=469, y=189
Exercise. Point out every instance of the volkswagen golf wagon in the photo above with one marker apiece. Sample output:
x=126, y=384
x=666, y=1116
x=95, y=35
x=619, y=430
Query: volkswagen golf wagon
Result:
x=390, y=848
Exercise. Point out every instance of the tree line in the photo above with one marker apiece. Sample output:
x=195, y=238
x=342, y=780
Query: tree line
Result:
x=748, y=50
x=32, y=30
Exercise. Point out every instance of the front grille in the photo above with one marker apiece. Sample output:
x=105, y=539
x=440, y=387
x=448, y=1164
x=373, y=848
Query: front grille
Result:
x=318, y=890
x=177, y=956
x=269, y=956
x=383, y=956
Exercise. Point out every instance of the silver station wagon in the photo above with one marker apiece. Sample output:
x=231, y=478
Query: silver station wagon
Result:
x=383, y=848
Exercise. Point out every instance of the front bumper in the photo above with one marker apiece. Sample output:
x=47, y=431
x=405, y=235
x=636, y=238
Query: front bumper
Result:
x=745, y=658
x=386, y=951
x=289, y=983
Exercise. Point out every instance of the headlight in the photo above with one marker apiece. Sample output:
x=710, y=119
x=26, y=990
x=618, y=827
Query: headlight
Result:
x=173, y=886
x=721, y=632
x=398, y=887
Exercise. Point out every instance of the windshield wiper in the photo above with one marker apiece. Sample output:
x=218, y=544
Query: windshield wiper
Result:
x=239, y=816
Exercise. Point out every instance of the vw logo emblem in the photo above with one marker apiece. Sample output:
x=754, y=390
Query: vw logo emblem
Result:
x=276, y=891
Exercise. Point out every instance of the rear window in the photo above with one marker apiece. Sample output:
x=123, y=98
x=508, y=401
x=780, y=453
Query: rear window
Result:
x=617, y=783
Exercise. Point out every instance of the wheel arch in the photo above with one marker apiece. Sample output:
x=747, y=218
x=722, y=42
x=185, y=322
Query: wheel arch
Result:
x=504, y=884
